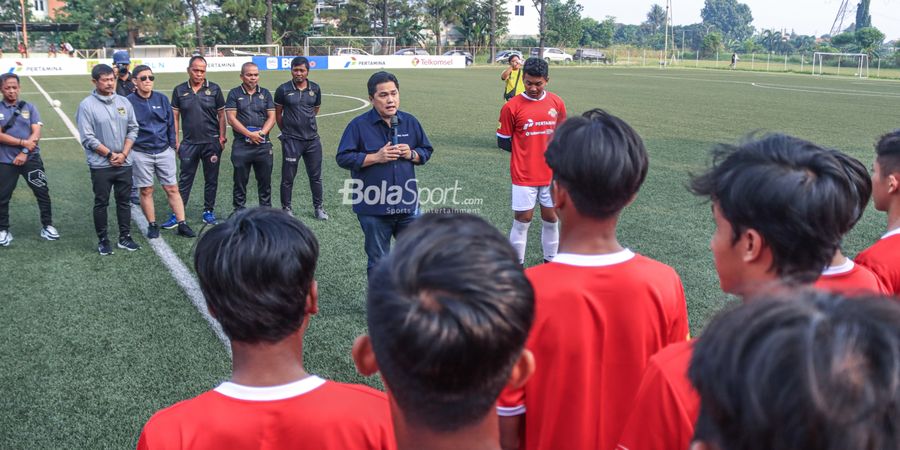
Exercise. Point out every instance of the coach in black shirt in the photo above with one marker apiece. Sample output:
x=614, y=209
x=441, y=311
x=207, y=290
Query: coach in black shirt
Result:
x=250, y=111
x=200, y=107
x=297, y=103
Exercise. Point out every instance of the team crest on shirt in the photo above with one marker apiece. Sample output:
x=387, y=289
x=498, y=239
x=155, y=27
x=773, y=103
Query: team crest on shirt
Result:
x=290, y=94
x=207, y=92
x=121, y=111
x=312, y=94
x=26, y=114
x=553, y=112
x=262, y=97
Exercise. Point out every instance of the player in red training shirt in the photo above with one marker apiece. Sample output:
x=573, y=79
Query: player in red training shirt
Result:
x=527, y=123
x=257, y=271
x=883, y=257
x=448, y=314
x=843, y=275
x=595, y=330
x=810, y=370
x=780, y=206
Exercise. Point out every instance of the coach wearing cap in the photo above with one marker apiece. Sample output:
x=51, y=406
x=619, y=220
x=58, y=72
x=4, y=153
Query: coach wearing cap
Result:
x=297, y=103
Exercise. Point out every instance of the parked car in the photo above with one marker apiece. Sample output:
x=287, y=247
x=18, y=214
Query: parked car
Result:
x=553, y=54
x=503, y=56
x=469, y=58
x=412, y=52
x=350, y=51
x=589, y=55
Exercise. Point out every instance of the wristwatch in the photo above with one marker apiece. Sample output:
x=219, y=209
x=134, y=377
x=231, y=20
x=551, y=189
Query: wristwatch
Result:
x=25, y=150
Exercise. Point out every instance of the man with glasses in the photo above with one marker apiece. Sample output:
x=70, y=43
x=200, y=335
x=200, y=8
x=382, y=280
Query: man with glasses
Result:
x=154, y=150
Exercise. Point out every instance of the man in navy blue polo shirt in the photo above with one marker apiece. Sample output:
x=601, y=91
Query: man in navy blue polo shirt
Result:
x=250, y=111
x=19, y=156
x=297, y=103
x=381, y=158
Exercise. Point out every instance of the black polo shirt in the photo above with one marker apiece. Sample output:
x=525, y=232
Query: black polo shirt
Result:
x=125, y=87
x=252, y=110
x=199, y=112
x=298, y=117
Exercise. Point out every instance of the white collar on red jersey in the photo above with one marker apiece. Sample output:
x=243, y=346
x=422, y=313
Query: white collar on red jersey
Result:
x=543, y=96
x=607, y=259
x=841, y=269
x=270, y=393
x=893, y=232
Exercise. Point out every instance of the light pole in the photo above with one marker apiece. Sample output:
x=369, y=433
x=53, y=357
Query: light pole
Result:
x=24, y=27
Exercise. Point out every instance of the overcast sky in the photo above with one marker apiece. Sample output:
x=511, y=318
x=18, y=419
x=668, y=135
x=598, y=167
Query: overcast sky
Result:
x=803, y=16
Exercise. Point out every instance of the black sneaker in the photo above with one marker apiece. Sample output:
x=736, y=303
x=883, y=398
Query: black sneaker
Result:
x=104, y=248
x=125, y=242
x=321, y=214
x=185, y=230
x=152, y=231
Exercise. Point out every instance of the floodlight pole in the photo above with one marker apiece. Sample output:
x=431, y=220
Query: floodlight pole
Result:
x=666, y=46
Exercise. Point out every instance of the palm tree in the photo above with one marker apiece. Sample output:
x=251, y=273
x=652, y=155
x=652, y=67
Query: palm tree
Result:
x=438, y=13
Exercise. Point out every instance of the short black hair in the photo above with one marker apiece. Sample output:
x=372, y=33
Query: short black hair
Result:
x=256, y=270
x=888, y=151
x=194, y=59
x=600, y=160
x=381, y=77
x=7, y=76
x=101, y=69
x=449, y=310
x=139, y=69
x=536, y=67
x=860, y=184
x=807, y=370
x=793, y=192
x=514, y=55
x=246, y=65
x=300, y=61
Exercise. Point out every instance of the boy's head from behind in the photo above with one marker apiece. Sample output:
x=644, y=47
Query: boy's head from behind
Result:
x=256, y=270
x=781, y=205
x=806, y=370
x=886, y=176
x=598, y=161
x=860, y=184
x=449, y=311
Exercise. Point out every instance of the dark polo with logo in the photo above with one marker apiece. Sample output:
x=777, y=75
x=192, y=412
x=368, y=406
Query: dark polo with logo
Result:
x=199, y=112
x=299, y=110
x=252, y=110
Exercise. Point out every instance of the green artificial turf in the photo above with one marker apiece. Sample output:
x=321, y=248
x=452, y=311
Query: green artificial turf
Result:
x=90, y=347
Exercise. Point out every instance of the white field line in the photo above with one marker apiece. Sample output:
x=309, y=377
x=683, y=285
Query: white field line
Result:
x=816, y=90
x=64, y=138
x=176, y=267
x=365, y=104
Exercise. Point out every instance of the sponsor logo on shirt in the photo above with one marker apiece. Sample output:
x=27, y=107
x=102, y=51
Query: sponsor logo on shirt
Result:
x=121, y=111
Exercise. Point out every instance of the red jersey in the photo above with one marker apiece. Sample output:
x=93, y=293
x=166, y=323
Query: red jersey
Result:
x=850, y=279
x=598, y=319
x=667, y=406
x=883, y=258
x=308, y=414
x=531, y=124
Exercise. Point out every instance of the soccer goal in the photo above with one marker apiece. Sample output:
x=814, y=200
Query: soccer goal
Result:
x=349, y=45
x=858, y=63
x=154, y=51
x=247, y=50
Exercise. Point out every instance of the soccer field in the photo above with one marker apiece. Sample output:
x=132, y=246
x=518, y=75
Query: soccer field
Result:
x=91, y=346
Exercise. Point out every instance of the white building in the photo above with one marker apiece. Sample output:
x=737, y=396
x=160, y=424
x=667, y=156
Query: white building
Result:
x=524, y=21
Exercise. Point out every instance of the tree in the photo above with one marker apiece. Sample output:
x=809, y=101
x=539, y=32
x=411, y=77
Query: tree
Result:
x=268, y=36
x=712, y=43
x=597, y=34
x=863, y=18
x=869, y=40
x=292, y=21
x=845, y=41
x=563, y=22
x=542, y=24
x=124, y=23
x=656, y=19
x=198, y=26
x=440, y=12
x=733, y=19
x=475, y=23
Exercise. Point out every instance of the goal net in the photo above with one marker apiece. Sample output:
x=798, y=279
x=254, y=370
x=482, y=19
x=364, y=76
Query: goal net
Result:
x=154, y=51
x=856, y=64
x=349, y=45
x=248, y=50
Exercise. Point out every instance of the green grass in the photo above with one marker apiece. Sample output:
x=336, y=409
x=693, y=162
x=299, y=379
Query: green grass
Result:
x=92, y=346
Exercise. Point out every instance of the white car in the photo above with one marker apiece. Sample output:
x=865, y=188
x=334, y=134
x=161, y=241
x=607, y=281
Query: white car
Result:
x=553, y=54
x=344, y=51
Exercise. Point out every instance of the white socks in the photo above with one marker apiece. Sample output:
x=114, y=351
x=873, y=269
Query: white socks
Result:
x=549, y=239
x=518, y=237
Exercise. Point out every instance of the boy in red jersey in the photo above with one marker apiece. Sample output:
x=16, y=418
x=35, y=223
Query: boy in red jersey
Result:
x=527, y=122
x=256, y=271
x=843, y=275
x=595, y=330
x=811, y=371
x=780, y=206
x=883, y=257
x=448, y=313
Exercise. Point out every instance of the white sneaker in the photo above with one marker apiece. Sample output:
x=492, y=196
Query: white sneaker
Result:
x=49, y=233
x=5, y=238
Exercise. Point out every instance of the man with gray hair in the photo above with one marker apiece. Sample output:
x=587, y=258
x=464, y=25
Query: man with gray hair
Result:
x=108, y=129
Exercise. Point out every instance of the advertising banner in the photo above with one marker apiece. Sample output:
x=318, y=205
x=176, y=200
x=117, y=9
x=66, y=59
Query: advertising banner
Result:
x=284, y=62
x=373, y=62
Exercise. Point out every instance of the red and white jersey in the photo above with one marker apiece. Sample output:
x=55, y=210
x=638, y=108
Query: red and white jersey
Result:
x=598, y=319
x=883, y=258
x=667, y=406
x=531, y=124
x=311, y=413
x=850, y=279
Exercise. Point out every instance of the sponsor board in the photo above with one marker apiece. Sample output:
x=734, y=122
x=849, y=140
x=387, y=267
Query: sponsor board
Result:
x=369, y=62
x=284, y=62
x=43, y=66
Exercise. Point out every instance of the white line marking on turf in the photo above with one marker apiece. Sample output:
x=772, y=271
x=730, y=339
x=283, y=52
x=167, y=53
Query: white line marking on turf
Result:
x=365, y=104
x=176, y=267
x=58, y=138
x=823, y=91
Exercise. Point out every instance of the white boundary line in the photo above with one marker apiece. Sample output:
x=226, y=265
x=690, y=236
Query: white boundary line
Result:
x=365, y=104
x=58, y=138
x=176, y=267
x=816, y=90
